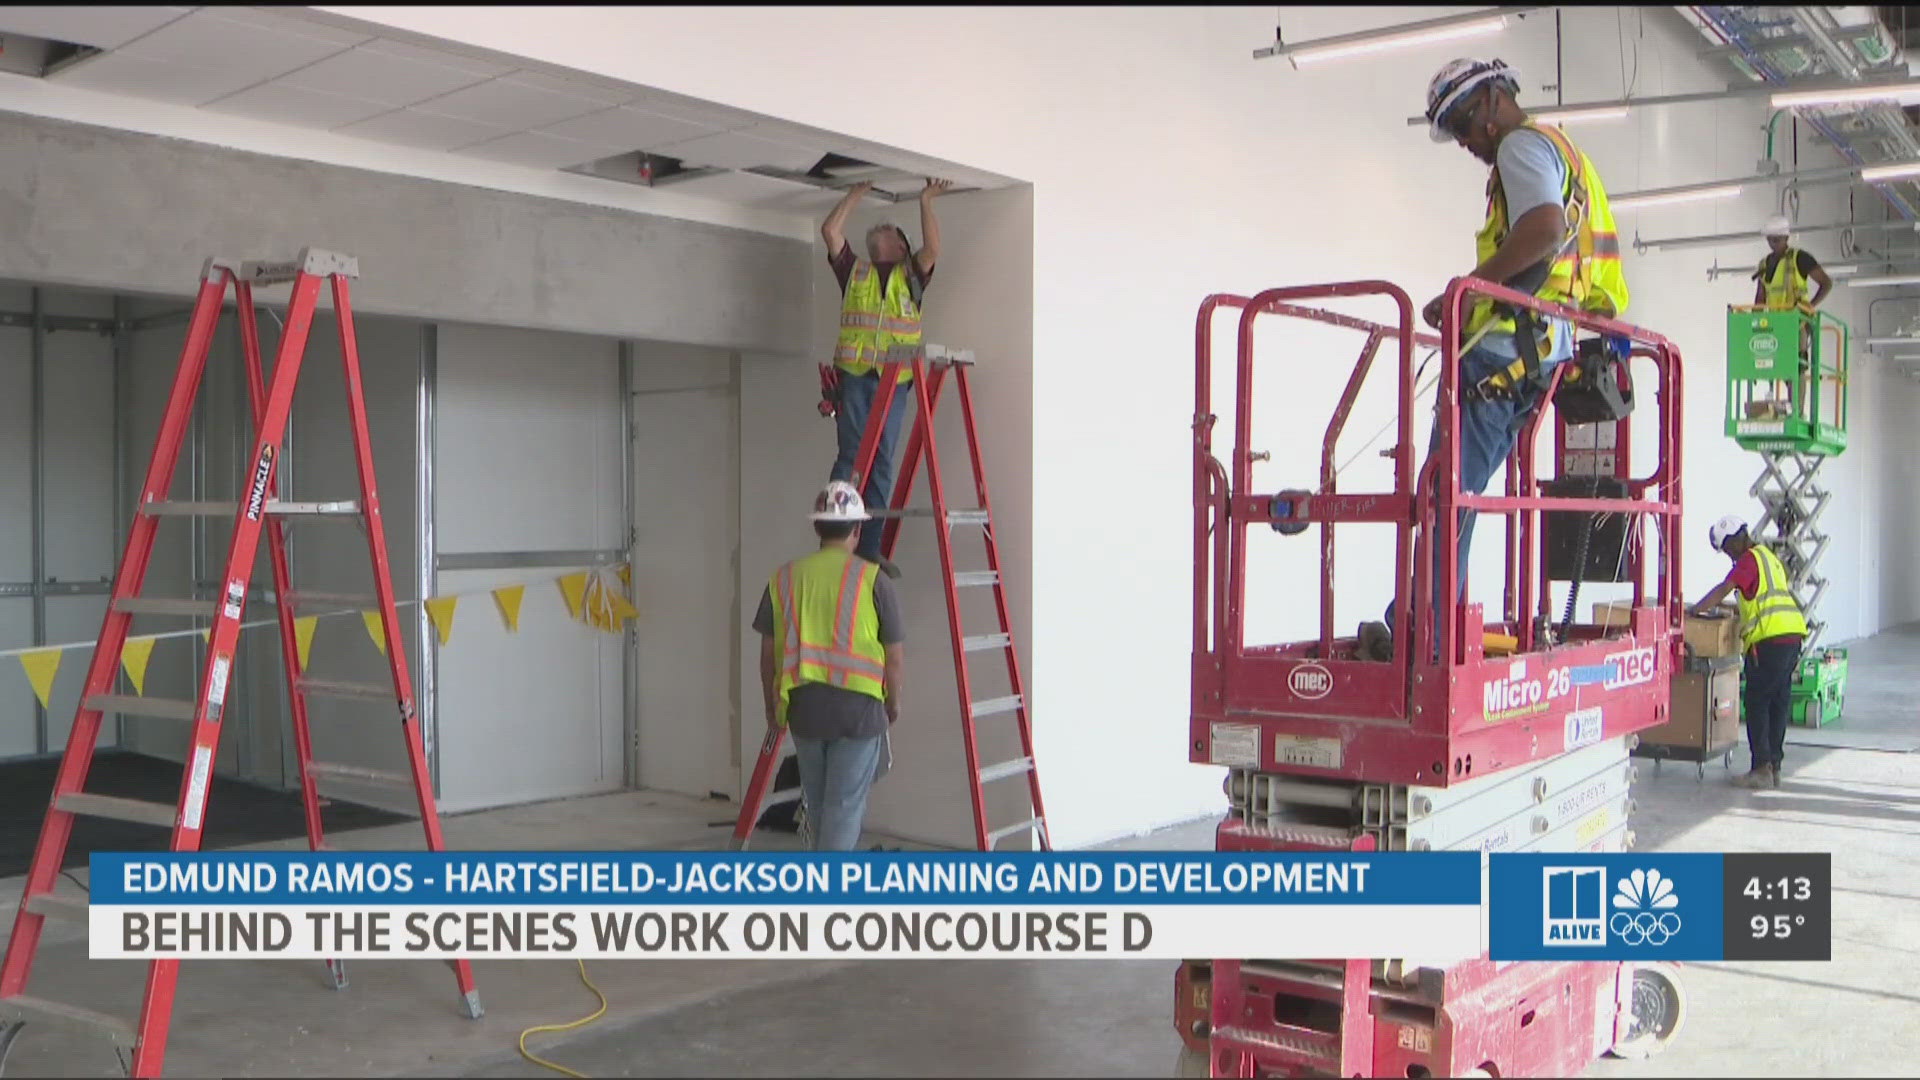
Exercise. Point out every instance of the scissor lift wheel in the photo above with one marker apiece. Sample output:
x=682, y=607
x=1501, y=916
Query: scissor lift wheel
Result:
x=1659, y=1008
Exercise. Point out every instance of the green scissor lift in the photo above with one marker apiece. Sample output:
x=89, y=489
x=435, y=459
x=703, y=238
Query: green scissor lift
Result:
x=1787, y=401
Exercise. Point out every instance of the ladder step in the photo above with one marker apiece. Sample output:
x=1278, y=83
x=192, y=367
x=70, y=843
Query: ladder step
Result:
x=954, y=517
x=157, y=605
x=127, y=705
x=993, y=705
x=281, y=507
x=138, y=811
x=27, y=1007
x=1005, y=769
x=986, y=641
x=779, y=797
x=337, y=771
x=966, y=517
x=69, y=908
x=329, y=688
x=309, y=598
x=997, y=835
x=967, y=579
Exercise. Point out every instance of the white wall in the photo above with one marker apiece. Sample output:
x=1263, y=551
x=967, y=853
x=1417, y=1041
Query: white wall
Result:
x=1166, y=165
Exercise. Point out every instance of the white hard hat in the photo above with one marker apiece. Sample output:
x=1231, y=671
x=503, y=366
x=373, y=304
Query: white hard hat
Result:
x=1725, y=527
x=840, y=501
x=1455, y=81
x=1777, y=225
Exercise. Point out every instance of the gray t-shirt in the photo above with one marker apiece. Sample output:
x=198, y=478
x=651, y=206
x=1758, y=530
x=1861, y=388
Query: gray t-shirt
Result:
x=1532, y=174
x=821, y=711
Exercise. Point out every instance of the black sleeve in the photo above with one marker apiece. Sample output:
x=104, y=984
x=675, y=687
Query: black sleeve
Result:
x=763, y=619
x=1808, y=264
x=887, y=606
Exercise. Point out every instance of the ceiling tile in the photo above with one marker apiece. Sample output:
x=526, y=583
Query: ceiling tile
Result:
x=537, y=149
x=103, y=26
x=704, y=113
x=740, y=150
x=286, y=22
x=512, y=105
x=401, y=50
x=428, y=131
x=181, y=84
x=627, y=127
x=293, y=105
x=735, y=187
x=376, y=74
x=603, y=92
x=214, y=37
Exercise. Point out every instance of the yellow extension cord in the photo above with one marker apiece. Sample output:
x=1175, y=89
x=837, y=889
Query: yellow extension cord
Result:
x=582, y=1022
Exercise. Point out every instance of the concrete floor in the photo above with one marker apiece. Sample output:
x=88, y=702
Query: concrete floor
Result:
x=1857, y=1015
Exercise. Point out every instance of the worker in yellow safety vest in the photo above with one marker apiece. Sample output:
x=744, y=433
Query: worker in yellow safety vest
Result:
x=1772, y=631
x=831, y=661
x=1780, y=282
x=879, y=308
x=1548, y=232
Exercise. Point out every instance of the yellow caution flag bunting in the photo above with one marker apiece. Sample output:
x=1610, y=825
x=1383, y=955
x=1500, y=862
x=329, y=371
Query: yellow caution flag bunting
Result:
x=133, y=657
x=574, y=588
x=626, y=576
x=440, y=610
x=41, y=667
x=508, y=599
x=303, y=636
x=375, y=631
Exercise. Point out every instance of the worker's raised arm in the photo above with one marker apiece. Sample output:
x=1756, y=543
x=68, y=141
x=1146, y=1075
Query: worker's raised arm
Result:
x=833, y=230
x=929, y=252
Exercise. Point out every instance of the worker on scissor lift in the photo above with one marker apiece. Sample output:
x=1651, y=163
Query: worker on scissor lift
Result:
x=1549, y=232
x=831, y=667
x=880, y=308
x=1780, y=282
x=1772, y=630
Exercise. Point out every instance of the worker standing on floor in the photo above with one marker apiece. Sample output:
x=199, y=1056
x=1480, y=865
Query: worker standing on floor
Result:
x=831, y=663
x=1772, y=630
x=879, y=308
x=1548, y=231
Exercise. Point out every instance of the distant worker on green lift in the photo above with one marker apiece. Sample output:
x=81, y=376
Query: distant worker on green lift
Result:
x=1780, y=283
x=1772, y=630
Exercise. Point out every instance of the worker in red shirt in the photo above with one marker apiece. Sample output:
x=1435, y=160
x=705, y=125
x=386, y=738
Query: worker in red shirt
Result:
x=1772, y=630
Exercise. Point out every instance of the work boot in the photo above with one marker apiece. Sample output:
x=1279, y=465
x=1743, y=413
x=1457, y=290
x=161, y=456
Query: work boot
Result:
x=1757, y=777
x=1375, y=642
x=1774, y=771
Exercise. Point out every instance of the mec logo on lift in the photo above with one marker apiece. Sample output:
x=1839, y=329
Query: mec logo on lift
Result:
x=257, y=493
x=1310, y=681
x=1629, y=668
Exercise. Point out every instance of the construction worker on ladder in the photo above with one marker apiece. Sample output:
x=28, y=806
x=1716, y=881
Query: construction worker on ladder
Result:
x=1772, y=630
x=880, y=308
x=1549, y=232
x=831, y=663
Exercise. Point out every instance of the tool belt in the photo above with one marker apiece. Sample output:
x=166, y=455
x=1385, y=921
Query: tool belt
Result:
x=1524, y=372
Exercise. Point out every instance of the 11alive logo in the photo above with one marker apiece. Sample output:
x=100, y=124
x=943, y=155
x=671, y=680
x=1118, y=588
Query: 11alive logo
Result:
x=1579, y=911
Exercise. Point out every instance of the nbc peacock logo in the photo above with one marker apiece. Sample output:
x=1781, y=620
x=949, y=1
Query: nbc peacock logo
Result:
x=1644, y=906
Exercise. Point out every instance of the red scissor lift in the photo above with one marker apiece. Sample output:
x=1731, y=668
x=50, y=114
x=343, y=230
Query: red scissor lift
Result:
x=1383, y=742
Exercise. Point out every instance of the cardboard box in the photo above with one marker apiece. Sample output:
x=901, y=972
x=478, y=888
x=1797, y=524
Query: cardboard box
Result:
x=1611, y=613
x=1703, y=711
x=1712, y=638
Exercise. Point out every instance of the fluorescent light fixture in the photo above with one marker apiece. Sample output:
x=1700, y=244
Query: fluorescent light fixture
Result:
x=1873, y=174
x=1846, y=95
x=1881, y=342
x=1576, y=116
x=1307, y=54
x=1885, y=279
x=1664, y=198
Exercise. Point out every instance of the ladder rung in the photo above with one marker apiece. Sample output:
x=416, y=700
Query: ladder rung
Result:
x=986, y=641
x=338, y=771
x=966, y=517
x=993, y=705
x=329, y=688
x=954, y=517
x=281, y=507
x=1005, y=769
x=998, y=835
x=309, y=598
x=28, y=1007
x=967, y=579
x=159, y=605
x=70, y=908
x=137, y=811
x=778, y=797
x=127, y=705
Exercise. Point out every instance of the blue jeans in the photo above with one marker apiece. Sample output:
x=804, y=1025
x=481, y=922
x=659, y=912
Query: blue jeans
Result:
x=835, y=776
x=856, y=393
x=1488, y=432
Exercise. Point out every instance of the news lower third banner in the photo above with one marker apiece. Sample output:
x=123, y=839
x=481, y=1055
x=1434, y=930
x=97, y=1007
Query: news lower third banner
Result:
x=766, y=905
x=1434, y=908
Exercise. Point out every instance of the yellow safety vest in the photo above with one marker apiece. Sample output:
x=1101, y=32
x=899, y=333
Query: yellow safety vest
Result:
x=872, y=320
x=1787, y=288
x=1587, y=273
x=1773, y=611
x=825, y=627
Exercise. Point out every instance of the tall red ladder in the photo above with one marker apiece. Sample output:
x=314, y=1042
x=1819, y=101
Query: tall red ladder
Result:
x=271, y=406
x=931, y=366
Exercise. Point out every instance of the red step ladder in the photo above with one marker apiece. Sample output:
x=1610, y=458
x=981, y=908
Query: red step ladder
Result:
x=260, y=510
x=932, y=366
